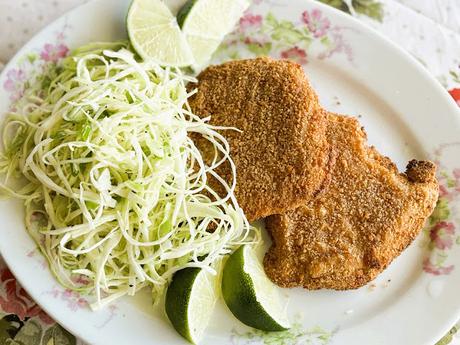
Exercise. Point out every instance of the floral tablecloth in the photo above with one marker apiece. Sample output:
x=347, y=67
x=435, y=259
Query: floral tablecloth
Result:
x=428, y=29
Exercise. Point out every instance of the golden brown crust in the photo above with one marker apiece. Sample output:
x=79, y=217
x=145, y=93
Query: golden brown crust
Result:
x=420, y=171
x=281, y=153
x=354, y=228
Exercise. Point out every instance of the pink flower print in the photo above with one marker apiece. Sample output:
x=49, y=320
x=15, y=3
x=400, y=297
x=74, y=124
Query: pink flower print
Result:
x=258, y=45
x=436, y=270
x=45, y=318
x=339, y=46
x=441, y=235
x=249, y=20
x=60, y=36
x=73, y=299
x=296, y=54
x=80, y=280
x=81, y=302
x=52, y=53
x=255, y=41
x=456, y=173
x=76, y=303
x=67, y=293
x=14, y=77
x=444, y=193
x=317, y=25
x=249, y=40
x=16, y=300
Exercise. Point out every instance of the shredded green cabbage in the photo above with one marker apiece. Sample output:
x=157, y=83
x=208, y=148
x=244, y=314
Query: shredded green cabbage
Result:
x=115, y=189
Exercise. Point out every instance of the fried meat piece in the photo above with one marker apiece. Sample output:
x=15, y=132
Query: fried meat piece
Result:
x=366, y=215
x=281, y=150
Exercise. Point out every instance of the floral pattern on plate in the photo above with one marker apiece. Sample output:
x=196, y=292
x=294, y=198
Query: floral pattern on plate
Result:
x=36, y=64
x=294, y=336
x=441, y=231
x=266, y=34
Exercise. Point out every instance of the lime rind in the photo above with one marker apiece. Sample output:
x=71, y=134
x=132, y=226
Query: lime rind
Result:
x=212, y=18
x=184, y=11
x=206, y=22
x=177, y=300
x=250, y=295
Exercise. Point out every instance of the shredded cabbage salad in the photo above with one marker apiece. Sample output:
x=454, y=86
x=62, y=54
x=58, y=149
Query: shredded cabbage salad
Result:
x=115, y=190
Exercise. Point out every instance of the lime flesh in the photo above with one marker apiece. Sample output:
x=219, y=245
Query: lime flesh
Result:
x=155, y=34
x=206, y=22
x=190, y=301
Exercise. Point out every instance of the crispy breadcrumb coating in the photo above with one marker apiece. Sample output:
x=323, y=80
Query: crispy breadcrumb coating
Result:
x=366, y=215
x=281, y=152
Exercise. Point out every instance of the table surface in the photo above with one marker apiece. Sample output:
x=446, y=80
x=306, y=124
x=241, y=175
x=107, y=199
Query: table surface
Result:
x=428, y=29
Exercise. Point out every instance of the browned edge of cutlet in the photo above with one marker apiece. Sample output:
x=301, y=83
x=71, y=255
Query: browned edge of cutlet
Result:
x=281, y=152
x=312, y=245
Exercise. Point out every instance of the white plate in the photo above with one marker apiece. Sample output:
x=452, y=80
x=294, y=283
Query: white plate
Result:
x=355, y=71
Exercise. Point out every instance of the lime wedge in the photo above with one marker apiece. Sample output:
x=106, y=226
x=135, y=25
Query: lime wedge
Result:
x=206, y=22
x=202, y=49
x=250, y=295
x=155, y=34
x=210, y=18
x=190, y=301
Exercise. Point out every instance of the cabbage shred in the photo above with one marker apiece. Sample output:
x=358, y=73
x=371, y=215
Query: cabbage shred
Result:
x=115, y=190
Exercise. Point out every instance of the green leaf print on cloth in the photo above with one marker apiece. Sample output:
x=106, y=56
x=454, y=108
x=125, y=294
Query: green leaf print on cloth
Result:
x=29, y=334
x=370, y=8
x=32, y=331
x=338, y=4
x=57, y=335
x=9, y=327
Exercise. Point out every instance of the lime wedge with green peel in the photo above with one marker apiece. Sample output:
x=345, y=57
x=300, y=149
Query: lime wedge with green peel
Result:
x=250, y=295
x=206, y=22
x=210, y=18
x=190, y=301
x=155, y=34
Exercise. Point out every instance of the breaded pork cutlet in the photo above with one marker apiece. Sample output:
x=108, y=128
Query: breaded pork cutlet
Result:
x=281, y=150
x=364, y=218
